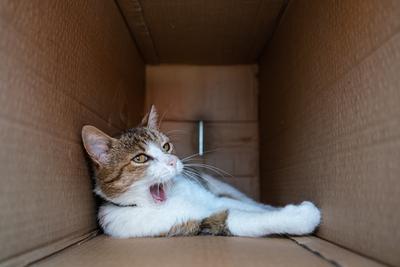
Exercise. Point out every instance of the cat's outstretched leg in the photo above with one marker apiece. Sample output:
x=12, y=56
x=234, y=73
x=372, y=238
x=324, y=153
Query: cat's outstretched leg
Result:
x=293, y=219
x=230, y=203
x=193, y=220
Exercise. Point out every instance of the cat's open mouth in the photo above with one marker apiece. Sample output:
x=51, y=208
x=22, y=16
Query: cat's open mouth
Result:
x=158, y=193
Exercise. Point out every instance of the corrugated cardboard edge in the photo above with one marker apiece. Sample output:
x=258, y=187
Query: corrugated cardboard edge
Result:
x=332, y=253
x=279, y=20
x=40, y=253
x=132, y=12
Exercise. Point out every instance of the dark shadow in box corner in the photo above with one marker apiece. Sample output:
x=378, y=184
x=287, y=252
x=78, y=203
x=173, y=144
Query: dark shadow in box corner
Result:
x=98, y=200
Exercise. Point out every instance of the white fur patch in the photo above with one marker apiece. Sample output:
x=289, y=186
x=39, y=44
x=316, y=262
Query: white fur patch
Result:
x=190, y=201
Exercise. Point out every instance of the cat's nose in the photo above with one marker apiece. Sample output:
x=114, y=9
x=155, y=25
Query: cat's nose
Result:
x=172, y=162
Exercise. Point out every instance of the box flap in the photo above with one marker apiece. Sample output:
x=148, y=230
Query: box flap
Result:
x=201, y=32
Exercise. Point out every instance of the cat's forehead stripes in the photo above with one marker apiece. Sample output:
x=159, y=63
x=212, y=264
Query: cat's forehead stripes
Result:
x=140, y=138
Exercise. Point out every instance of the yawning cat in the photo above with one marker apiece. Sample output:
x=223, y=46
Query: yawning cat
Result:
x=148, y=191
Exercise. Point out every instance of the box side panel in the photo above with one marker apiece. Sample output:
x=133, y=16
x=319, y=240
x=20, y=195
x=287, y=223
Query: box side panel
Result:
x=330, y=117
x=64, y=64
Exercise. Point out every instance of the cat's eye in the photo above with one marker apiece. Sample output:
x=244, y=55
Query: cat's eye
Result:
x=166, y=147
x=141, y=158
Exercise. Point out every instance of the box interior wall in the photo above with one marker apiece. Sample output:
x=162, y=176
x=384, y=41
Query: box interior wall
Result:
x=300, y=100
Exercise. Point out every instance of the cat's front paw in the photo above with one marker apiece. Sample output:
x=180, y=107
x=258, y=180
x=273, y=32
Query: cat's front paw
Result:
x=304, y=218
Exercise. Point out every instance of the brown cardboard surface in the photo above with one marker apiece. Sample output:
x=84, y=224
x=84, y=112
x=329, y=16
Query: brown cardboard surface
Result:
x=187, y=251
x=210, y=93
x=201, y=32
x=329, y=84
x=335, y=254
x=63, y=65
x=235, y=147
x=48, y=249
x=132, y=12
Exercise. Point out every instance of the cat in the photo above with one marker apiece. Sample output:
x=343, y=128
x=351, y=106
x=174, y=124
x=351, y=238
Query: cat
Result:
x=147, y=194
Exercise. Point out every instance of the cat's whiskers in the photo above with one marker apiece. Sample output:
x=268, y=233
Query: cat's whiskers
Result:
x=193, y=161
x=209, y=167
x=198, y=154
x=192, y=176
x=166, y=184
x=192, y=172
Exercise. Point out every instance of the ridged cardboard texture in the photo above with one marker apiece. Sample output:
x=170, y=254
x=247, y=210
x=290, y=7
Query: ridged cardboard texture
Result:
x=201, y=251
x=63, y=64
x=330, y=120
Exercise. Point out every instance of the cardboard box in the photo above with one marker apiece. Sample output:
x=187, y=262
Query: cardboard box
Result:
x=300, y=98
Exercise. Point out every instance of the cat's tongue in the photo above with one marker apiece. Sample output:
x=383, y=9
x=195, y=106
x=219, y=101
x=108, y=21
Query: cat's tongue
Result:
x=157, y=192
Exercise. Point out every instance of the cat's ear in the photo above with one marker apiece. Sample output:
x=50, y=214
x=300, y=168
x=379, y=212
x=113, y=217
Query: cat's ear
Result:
x=151, y=119
x=97, y=144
